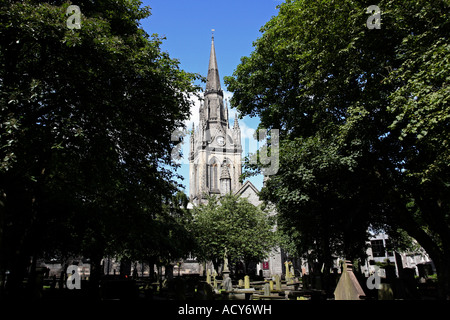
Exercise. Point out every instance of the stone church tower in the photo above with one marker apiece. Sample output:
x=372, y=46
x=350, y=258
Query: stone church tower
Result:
x=215, y=148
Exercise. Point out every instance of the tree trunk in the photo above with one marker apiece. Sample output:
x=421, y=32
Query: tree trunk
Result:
x=442, y=264
x=2, y=262
x=31, y=285
x=95, y=277
x=216, y=265
x=168, y=271
x=439, y=254
x=440, y=258
x=151, y=269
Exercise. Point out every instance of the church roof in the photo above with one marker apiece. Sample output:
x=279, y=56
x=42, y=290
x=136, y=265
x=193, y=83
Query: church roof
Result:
x=213, y=80
x=245, y=186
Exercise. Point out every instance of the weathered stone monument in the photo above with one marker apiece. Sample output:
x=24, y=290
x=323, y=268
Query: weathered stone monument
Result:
x=266, y=290
x=348, y=287
x=277, y=283
x=288, y=273
x=215, y=280
x=227, y=284
x=226, y=270
x=208, y=276
x=247, y=282
x=385, y=292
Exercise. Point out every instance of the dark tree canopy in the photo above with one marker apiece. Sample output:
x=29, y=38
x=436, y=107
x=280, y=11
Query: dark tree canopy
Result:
x=86, y=122
x=363, y=117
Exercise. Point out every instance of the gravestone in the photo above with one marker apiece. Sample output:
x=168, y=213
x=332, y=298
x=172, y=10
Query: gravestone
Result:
x=208, y=276
x=247, y=282
x=288, y=273
x=215, y=280
x=348, y=287
x=266, y=289
x=227, y=284
x=408, y=287
x=385, y=292
x=204, y=292
x=390, y=273
x=424, y=270
x=306, y=281
x=277, y=283
x=226, y=270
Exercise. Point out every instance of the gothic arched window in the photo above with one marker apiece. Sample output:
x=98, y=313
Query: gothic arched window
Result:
x=213, y=175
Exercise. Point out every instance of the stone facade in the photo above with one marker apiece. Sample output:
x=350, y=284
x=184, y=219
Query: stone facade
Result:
x=215, y=161
x=215, y=148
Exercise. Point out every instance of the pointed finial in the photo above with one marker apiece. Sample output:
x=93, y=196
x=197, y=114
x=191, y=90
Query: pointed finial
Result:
x=212, y=79
x=236, y=123
x=212, y=32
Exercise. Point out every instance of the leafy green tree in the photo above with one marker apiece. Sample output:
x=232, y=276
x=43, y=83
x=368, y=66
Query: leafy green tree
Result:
x=363, y=119
x=86, y=122
x=421, y=108
x=324, y=216
x=233, y=226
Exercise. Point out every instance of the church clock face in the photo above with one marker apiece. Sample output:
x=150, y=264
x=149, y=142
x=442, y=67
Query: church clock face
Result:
x=220, y=140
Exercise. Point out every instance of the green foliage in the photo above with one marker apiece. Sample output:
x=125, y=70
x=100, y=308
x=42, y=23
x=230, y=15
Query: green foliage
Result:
x=232, y=225
x=363, y=118
x=322, y=216
x=86, y=122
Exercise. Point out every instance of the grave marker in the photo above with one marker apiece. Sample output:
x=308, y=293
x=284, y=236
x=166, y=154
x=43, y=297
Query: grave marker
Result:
x=267, y=289
x=277, y=282
x=247, y=282
x=348, y=287
x=208, y=276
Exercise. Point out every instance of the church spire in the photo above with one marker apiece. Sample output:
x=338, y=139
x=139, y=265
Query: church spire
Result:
x=213, y=80
x=236, y=123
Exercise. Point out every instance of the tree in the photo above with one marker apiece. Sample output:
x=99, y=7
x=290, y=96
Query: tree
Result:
x=233, y=226
x=157, y=238
x=301, y=81
x=86, y=121
x=421, y=108
x=376, y=100
x=326, y=216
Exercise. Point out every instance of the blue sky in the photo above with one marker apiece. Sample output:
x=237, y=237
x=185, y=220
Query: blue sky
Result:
x=187, y=25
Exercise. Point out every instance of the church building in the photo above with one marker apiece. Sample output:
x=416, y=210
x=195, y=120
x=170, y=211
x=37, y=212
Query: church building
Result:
x=215, y=159
x=215, y=148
